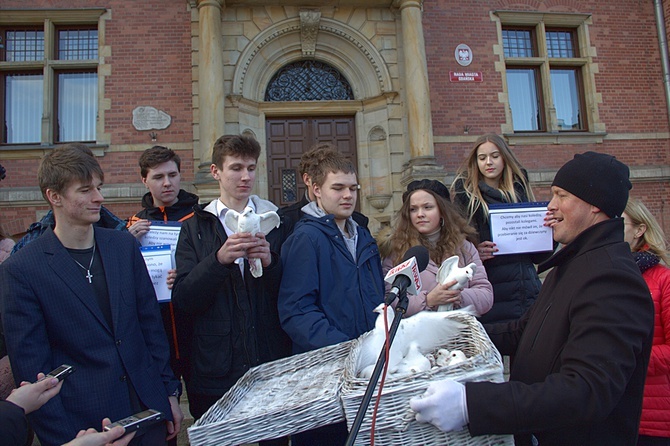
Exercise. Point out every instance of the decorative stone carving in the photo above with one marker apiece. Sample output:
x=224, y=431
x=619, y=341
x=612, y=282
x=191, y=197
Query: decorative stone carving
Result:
x=149, y=118
x=309, y=28
x=379, y=202
x=377, y=134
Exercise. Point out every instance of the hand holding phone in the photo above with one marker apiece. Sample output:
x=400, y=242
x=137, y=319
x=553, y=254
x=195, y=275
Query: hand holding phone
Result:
x=140, y=420
x=61, y=372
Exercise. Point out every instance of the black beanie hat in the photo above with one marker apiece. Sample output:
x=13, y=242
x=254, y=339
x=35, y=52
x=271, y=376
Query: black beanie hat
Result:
x=598, y=179
x=432, y=185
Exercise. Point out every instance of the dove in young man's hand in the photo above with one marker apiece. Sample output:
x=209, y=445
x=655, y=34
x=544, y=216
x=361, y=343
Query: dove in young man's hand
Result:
x=250, y=221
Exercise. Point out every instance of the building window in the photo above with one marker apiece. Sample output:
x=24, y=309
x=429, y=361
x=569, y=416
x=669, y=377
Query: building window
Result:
x=308, y=81
x=77, y=99
x=49, y=83
x=546, y=74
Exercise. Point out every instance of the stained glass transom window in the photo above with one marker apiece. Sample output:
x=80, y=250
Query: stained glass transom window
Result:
x=308, y=80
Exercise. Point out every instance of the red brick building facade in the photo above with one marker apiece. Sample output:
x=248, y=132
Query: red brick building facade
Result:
x=207, y=66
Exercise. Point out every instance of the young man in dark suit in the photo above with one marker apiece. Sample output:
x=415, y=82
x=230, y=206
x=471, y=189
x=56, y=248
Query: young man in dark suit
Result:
x=81, y=295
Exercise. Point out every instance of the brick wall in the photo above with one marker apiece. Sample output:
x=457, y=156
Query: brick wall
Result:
x=630, y=81
x=150, y=59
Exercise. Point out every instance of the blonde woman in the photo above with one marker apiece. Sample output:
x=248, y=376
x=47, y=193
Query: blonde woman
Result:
x=492, y=174
x=647, y=242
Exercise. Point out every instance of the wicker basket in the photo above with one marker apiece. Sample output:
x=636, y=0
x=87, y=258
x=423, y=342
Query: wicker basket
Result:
x=276, y=399
x=395, y=420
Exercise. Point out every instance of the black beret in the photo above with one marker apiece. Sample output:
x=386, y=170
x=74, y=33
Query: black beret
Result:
x=432, y=185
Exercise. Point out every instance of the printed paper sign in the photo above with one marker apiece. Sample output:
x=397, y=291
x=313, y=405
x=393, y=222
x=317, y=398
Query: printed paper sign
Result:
x=162, y=233
x=158, y=259
x=519, y=228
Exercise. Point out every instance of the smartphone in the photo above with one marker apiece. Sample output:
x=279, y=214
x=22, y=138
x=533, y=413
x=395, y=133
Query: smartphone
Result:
x=61, y=372
x=140, y=420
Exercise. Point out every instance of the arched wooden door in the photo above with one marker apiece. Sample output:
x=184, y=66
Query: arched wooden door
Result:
x=289, y=138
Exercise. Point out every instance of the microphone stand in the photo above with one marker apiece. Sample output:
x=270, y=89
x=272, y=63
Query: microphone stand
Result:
x=400, y=310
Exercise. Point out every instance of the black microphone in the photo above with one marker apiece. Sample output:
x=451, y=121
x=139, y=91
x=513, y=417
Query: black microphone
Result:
x=406, y=275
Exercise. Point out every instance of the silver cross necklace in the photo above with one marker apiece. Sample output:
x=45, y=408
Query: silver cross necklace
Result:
x=89, y=276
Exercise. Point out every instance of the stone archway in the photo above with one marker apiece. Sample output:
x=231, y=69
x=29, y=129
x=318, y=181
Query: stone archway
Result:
x=336, y=44
x=375, y=104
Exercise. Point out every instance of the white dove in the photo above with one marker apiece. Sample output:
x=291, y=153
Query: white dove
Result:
x=413, y=362
x=456, y=357
x=449, y=271
x=428, y=329
x=250, y=221
x=373, y=342
x=442, y=357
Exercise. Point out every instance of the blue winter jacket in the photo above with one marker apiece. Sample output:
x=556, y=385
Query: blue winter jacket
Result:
x=326, y=297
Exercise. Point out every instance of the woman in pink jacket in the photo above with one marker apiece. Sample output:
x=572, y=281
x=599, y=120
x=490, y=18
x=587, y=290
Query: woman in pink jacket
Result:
x=647, y=241
x=428, y=218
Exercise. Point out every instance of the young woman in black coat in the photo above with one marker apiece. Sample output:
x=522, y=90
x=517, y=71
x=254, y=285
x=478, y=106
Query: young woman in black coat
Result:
x=492, y=174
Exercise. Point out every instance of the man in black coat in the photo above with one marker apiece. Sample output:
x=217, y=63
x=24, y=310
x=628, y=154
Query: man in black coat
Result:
x=582, y=350
x=235, y=320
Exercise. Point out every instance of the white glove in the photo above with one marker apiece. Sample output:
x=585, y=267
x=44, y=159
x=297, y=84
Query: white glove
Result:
x=443, y=404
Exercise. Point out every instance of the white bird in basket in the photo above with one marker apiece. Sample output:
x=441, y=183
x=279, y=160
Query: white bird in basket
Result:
x=250, y=221
x=427, y=329
x=442, y=357
x=448, y=271
x=413, y=362
x=456, y=357
x=445, y=357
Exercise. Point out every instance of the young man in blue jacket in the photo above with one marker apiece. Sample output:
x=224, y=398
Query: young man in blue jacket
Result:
x=332, y=278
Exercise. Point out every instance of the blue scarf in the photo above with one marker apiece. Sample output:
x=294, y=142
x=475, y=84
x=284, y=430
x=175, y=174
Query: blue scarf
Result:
x=645, y=260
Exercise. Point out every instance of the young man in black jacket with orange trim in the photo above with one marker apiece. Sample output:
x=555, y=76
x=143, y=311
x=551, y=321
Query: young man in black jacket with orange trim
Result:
x=160, y=168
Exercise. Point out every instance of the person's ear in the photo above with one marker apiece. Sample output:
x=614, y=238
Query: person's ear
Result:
x=306, y=179
x=53, y=197
x=214, y=171
x=317, y=190
x=144, y=181
x=641, y=229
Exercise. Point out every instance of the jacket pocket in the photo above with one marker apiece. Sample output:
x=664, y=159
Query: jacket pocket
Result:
x=212, y=349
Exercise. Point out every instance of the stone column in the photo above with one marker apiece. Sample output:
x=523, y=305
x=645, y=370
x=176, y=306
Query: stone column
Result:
x=420, y=128
x=210, y=83
x=416, y=80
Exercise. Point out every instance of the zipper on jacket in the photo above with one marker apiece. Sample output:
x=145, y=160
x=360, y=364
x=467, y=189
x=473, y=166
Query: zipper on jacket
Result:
x=546, y=313
x=242, y=328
